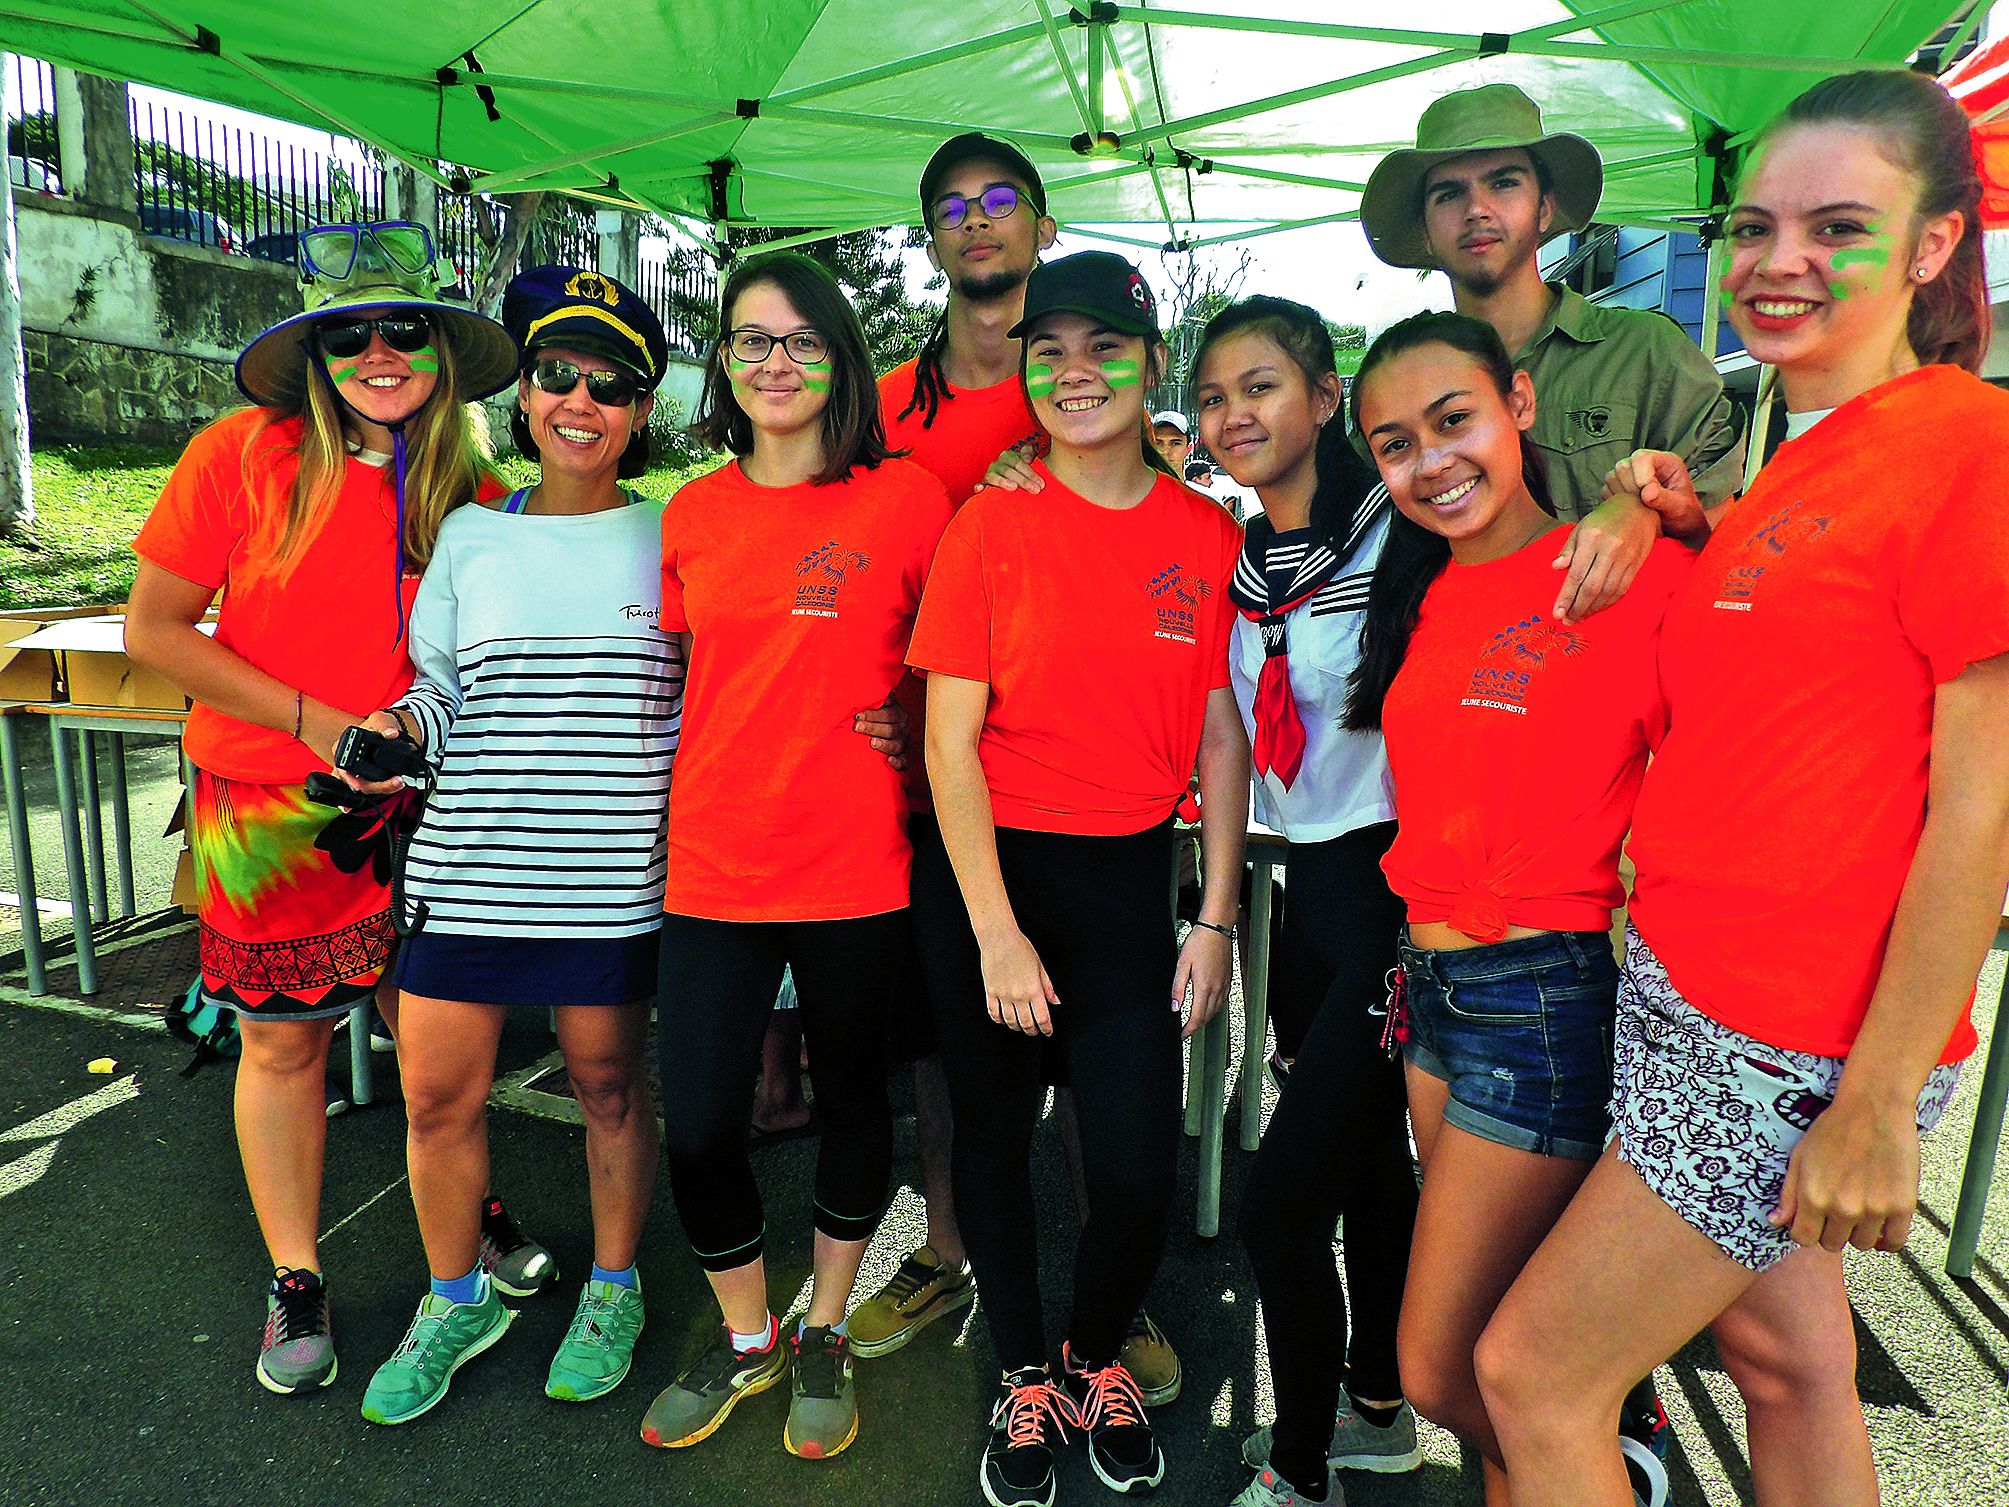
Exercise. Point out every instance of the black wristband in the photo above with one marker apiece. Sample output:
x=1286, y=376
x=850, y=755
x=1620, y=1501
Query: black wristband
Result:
x=1226, y=931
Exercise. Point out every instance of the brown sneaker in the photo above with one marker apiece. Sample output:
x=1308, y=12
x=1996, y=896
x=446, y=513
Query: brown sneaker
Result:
x=1151, y=1361
x=921, y=1291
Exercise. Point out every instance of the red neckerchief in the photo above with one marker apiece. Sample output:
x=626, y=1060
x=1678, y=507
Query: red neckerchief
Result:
x=1265, y=598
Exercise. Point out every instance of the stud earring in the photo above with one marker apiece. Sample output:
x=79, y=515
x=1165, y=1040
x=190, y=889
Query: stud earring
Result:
x=1919, y=273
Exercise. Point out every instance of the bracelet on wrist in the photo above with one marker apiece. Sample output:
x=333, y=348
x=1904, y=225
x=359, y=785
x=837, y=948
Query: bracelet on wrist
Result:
x=1227, y=931
x=299, y=710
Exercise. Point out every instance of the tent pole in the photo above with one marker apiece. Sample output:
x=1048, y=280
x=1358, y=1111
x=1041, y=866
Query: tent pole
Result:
x=17, y=495
x=1967, y=29
x=1066, y=71
x=1761, y=424
x=524, y=177
x=960, y=52
x=1712, y=300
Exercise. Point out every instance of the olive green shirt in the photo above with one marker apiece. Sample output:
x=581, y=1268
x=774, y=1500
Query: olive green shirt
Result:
x=1610, y=381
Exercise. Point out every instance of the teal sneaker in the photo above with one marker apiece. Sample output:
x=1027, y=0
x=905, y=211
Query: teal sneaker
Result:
x=598, y=1349
x=444, y=1337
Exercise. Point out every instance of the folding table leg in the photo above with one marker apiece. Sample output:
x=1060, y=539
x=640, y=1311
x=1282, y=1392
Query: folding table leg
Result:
x=1256, y=1001
x=94, y=828
x=122, y=823
x=1980, y=1168
x=73, y=859
x=362, y=1086
x=18, y=840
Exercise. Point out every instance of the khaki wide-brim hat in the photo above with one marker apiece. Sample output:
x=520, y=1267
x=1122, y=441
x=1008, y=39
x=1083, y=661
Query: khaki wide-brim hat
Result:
x=1491, y=118
x=273, y=370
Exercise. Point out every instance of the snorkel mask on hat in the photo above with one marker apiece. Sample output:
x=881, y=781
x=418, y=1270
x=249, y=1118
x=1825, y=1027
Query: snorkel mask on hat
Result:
x=388, y=272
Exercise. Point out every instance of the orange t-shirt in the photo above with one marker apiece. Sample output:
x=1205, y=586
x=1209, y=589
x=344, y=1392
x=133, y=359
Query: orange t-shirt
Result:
x=1100, y=632
x=799, y=601
x=1517, y=743
x=971, y=429
x=322, y=620
x=1867, y=566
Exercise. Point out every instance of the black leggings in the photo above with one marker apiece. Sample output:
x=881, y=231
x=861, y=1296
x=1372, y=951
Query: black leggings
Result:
x=1337, y=1145
x=1098, y=911
x=717, y=982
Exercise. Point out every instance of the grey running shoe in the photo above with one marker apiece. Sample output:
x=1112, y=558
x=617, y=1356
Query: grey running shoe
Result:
x=1356, y=1443
x=823, y=1410
x=690, y=1408
x=921, y=1291
x=298, y=1351
x=514, y=1262
x=1269, y=1489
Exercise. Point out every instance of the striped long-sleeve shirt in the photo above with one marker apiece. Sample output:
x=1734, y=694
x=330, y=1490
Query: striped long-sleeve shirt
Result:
x=550, y=702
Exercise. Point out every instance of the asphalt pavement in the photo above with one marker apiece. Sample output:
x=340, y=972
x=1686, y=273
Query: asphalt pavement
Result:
x=131, y=1299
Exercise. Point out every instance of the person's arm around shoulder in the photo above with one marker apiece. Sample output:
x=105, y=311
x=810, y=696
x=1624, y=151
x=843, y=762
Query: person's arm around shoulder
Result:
x=1853, y=1178
x=1693, y=417
x=1207, y=960
x=1017, y=991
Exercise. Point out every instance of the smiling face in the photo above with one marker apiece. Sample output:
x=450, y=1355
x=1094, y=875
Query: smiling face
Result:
x=1823, y=256
x=573, y=433
x=1448, y=443
x=384, y=385
x=1484, y=216
x=1086, y=381
x=983, y=258
x=780, y=395
x=1172, y=444
x=1259, y=416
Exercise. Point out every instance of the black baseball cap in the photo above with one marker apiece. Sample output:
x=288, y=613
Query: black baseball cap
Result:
x=1099, y=284
x=970, y=146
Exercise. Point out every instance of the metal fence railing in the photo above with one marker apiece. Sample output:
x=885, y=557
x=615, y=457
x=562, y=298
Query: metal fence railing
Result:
x=683, y=289
x=31, y=126
x=240, y=191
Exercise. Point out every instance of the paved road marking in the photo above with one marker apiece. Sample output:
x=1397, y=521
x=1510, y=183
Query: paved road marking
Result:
x=365, y=1204
x=30, y=1169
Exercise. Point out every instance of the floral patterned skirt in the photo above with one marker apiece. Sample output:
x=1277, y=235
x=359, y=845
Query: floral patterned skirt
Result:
x=293, y=897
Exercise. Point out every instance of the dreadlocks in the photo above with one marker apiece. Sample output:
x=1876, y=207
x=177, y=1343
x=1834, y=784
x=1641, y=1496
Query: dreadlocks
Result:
x=930, y=386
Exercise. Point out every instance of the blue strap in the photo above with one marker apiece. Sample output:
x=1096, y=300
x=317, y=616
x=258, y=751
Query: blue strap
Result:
x=515, y=501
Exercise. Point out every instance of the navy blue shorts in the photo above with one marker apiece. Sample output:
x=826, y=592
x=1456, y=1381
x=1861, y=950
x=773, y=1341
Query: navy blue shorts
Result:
x=543, y=972
x=1521, y=1031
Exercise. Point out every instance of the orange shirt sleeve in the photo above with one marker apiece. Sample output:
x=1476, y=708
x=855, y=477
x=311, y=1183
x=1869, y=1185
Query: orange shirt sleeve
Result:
x=1224, y=610
x=199, y=519
x=1953, y=585
x=673, y=619
x=952, y=632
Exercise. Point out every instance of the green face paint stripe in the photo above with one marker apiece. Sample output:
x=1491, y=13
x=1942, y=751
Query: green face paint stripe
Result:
x=1860, y=256
x=1039, y=381
x=816, y=376
x=425, y=359
x=341, y=374
x=1121, y=373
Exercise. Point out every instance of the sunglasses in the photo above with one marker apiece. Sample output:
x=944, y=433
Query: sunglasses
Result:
x=338, y=252
x=996, y=202
x=351, y=337
x=751, y=345
x=557, y=376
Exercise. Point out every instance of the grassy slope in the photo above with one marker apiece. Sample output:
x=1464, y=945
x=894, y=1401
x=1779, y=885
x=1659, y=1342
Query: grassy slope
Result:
x=89, y=503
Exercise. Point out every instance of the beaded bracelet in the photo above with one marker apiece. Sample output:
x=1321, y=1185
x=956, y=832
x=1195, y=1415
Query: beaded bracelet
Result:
x=299, y=705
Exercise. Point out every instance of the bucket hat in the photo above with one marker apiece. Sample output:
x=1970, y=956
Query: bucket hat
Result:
x=1491, y=118
x=383, y=271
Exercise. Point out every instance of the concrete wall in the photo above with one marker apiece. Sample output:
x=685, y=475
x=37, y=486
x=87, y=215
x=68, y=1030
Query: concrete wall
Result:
x=128, y=338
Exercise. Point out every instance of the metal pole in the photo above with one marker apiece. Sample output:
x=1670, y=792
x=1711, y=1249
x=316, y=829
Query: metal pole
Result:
x=1980, y=1168
x=1712, y=297
x=73, y=858
x=24, y=855
x=122, y=823
x=17, y=495
x=94, y=828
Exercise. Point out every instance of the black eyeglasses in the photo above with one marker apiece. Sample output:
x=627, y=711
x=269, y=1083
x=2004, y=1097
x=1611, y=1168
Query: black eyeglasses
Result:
x=557, y=376
x=996, y=202
x=751, y=345
x=351, y=337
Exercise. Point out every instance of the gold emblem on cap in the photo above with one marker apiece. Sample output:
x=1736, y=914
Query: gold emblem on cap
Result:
x=593, y=285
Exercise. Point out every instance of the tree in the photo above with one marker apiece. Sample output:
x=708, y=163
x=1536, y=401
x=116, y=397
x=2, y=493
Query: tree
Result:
x=867, y=265
x=1201, y=285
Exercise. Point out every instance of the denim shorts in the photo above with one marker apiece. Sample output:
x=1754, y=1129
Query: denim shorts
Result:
x=1521, y=1031
x=1708, y=1117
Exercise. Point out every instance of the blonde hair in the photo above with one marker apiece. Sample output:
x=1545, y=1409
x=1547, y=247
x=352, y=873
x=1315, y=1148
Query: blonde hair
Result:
x=447, y=455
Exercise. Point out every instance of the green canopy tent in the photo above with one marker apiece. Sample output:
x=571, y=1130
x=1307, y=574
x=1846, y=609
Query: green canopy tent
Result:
x=1190, y=125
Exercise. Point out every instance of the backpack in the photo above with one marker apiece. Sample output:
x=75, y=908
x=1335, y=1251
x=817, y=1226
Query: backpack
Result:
x=210, y=1028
